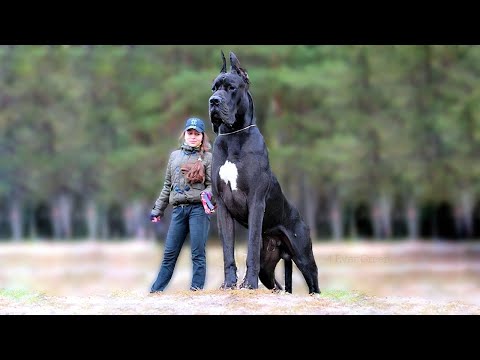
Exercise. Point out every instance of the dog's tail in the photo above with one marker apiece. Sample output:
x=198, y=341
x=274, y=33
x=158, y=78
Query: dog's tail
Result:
x=288, y=275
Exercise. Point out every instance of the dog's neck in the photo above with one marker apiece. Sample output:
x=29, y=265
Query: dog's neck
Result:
x=236, y=131
x=243, y=121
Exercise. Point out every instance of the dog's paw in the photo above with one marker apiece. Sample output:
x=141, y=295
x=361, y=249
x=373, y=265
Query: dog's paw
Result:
x=277, y=290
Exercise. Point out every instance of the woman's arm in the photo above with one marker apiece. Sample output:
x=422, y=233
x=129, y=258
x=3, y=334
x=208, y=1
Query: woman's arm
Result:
x=163, y=199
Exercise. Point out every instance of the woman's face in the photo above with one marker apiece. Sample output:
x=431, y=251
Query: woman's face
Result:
x=193, y=137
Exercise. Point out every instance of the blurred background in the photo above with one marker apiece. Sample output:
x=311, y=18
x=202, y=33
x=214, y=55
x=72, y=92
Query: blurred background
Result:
x=376, y=142
x=372, y=143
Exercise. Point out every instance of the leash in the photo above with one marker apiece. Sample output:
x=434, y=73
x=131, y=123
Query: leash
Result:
x=233, y=132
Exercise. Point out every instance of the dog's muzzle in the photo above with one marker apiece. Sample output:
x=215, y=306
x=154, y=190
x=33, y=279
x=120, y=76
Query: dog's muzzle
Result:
x=218, y=109
x=215, y=101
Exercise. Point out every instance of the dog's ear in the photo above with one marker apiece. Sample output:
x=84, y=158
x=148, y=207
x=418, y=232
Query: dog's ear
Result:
x=224, y=66
x=252, y=106
x=235, y=67
x=234, y=64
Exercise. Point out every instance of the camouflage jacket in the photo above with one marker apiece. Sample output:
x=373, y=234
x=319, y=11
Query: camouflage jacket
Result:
x=176, y=190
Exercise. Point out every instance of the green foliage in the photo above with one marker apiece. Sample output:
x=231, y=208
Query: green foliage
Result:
x=101, y=120
x=19, y=294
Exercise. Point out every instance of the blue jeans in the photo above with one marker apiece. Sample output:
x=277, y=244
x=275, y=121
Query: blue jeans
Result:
x=185, y=219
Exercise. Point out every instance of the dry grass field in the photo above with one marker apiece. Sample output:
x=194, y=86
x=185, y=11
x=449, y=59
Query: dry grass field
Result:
x=95, y=277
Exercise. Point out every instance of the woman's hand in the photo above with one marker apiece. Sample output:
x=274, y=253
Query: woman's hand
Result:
x=207, y=203
x=154, y=218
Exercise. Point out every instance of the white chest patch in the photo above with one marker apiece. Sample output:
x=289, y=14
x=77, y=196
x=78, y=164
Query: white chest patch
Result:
x=228, y=173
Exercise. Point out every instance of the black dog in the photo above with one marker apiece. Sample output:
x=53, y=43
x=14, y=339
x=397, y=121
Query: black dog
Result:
x=247, y=191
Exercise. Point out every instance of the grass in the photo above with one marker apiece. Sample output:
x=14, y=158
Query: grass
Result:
x=342, y=295
x=114, y=278
x=20, y=295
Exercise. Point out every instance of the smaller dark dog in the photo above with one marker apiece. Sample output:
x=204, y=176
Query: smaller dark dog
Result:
x=247, y=191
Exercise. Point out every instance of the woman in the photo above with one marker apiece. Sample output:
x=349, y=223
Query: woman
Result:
x=188, y=175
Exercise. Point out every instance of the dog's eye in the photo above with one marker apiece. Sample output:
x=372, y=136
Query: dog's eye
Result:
x=231, y=88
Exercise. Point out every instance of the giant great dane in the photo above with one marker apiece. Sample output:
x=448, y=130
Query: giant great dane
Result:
x=246, y=190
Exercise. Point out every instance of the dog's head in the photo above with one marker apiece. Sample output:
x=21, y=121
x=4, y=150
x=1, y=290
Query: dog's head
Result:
x=231, y=103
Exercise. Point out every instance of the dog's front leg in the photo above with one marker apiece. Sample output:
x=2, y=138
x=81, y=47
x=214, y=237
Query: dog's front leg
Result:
x=255, y=221
x=226, y=228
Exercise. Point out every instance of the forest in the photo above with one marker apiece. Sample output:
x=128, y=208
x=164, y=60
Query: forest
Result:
x=378, y=142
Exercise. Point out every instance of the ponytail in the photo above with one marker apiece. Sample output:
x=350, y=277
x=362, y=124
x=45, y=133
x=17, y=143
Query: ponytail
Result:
x=194, y=172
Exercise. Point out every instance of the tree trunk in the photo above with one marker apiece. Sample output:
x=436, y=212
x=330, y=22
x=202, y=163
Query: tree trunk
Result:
x=32, y=227
x=352, y=223
x=386, y=216
x=294, y=194
x=464, y=215
x=16, y=219
x=62, y=217
x=412, y=219
x=104, y=228
x=134, y=215
x=382, y=217
x=91, y=216
x=336, y=220
x=310, y=199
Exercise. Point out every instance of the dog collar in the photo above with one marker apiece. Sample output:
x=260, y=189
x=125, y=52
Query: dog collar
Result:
x=233, y=132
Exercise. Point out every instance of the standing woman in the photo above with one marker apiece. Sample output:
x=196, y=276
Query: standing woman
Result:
x=188, y=175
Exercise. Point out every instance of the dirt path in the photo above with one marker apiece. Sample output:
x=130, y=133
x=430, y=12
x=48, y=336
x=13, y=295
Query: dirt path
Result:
x=355, y=278
x=236, y=302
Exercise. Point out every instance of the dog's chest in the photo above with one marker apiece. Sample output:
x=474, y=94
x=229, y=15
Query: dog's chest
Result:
x=228, y=183
x=228, y=173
